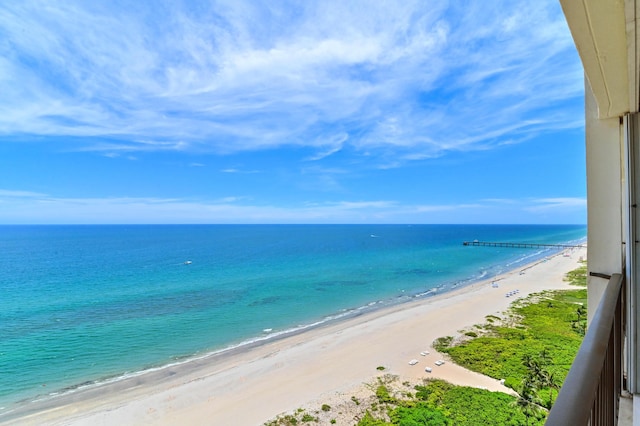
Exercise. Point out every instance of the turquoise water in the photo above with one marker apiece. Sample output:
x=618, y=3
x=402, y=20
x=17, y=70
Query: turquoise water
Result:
x=84, y=304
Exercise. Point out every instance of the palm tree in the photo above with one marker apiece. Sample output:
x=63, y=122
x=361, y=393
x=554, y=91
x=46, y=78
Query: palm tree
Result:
x=534, y=369
x=581, y=312
x=580, y=324
x=545, y=357
x=528, y=400
x=544, y=377
x=549, y=380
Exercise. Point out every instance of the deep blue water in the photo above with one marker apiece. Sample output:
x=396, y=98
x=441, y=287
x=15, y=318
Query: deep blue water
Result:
x=82, y=304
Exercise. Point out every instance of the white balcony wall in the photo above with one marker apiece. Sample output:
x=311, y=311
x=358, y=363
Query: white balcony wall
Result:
x=605, y=183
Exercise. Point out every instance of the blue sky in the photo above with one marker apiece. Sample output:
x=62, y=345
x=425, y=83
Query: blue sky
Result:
x=290, y=112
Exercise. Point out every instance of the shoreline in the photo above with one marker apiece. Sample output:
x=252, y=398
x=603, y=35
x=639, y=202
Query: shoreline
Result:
x=44, y=400
x=253, y=383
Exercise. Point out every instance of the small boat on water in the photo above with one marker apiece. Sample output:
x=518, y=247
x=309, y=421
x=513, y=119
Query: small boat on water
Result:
x=187, y=262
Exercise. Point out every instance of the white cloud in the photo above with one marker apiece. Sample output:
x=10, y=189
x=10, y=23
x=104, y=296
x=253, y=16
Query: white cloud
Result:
x=556, y=204
x=34, y=208
x=333, y=144
x=6, y=193
x=403, y=81
x=236, y=170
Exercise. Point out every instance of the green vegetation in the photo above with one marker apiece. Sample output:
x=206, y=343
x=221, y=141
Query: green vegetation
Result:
x=308, y=418
x=464, y=405
x=288, y=420
x=440, y=403
x=326, y=407
x=442, y=343
x=380, y=368
x=538, y=352
x=293, y=419
x=383, y=395
x=578, y=276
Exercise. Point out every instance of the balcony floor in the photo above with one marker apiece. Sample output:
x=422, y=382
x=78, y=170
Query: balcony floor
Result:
x=625, y=414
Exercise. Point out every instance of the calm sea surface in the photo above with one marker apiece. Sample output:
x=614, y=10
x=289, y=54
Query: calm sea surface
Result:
x=84, y=304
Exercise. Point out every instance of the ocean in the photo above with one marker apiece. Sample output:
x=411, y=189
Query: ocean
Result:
x=81, y=305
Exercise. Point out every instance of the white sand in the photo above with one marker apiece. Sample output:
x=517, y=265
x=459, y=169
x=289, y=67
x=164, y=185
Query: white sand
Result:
x=254, y=386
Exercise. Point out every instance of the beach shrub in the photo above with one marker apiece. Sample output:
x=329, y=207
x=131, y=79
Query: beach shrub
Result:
x=369, y=420
x=287, y=420
x=511, y=382
x=463, y=405
x=438, y=402
x=326, y=407
x=471, y=334
x=306, y=418
x=442, y=343
x=380, y=368
x=418, y=416
x=383, y=395
x=578, y=276
x=550, y=323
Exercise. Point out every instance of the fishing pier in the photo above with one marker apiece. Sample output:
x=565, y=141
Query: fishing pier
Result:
x=518, y=245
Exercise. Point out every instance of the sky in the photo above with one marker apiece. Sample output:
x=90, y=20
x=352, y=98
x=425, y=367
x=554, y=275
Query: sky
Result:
x=121, y=112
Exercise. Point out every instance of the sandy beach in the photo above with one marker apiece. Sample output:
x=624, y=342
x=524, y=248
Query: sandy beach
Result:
x=254, y=385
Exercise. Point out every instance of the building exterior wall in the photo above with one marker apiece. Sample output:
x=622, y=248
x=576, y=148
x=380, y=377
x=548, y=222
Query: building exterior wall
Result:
x=605, y=183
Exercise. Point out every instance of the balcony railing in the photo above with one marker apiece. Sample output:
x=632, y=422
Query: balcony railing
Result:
x=591, y=391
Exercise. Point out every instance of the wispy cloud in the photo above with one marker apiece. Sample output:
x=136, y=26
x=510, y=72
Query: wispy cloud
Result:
x=6, y=193
x=333, y=144
x=555, y=204
x=237, y=170
x=539, y=204
x=385, y=80
x=30, y=207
